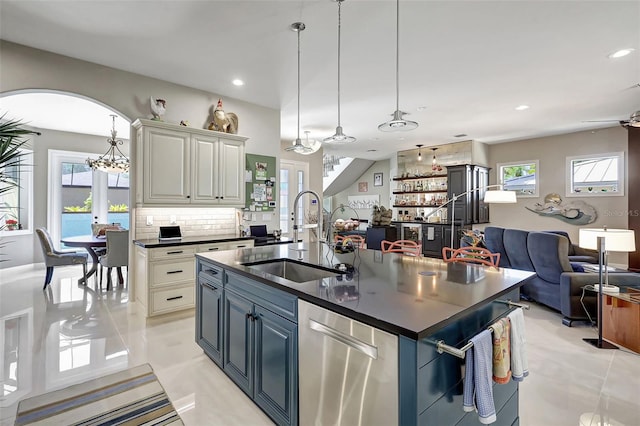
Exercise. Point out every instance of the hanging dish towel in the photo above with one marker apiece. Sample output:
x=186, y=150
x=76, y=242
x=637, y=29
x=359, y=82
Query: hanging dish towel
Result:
x=501, y=351
x=519, y=364
x=478, y=389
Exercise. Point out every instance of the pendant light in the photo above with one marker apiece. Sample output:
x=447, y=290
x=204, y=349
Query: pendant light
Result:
x=297, y=146
x=339, y=137
x=419, y=153
x=434, y=163
x=312, y=146
x=397, y=123
x=113, y=161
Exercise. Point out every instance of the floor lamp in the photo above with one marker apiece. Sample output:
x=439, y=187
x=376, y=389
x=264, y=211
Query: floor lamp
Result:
x=605, y=240
x=499, y=196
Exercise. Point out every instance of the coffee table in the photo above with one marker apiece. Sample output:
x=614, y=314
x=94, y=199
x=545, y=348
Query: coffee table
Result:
x=621, y=317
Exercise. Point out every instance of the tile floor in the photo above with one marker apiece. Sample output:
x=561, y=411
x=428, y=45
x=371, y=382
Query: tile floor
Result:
x=70, y=333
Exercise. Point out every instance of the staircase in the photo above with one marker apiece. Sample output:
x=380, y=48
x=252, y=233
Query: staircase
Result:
x=341, y=172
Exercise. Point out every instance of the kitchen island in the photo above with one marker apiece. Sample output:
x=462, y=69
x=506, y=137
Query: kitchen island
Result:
x=247, y=321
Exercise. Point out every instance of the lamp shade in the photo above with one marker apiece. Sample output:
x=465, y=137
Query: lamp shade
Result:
x=614, y=239
x=500, y=197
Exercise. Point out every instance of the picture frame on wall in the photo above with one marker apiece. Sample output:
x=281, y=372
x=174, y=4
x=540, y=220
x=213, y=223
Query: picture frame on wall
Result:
x=363, y=186
x=377, y=179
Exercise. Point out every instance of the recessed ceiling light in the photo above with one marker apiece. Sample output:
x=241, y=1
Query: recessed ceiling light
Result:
x=620, y=53
x=238, y=82
x=421, y=108
x=522, y=107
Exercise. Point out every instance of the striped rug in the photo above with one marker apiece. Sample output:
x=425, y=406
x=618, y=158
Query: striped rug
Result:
x=129, y=397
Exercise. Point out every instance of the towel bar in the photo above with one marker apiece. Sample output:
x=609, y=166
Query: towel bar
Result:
x=442, y=347
x=510, y=303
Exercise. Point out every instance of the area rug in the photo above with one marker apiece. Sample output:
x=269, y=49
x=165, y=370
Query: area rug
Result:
x=129, y=397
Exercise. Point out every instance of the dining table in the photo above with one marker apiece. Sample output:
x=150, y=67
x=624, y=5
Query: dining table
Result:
x=88, y=242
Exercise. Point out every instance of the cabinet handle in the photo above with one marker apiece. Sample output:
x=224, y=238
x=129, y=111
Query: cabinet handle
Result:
x=212, y=271
x=174, y=298
x=250, y=316
x=175, y=252
x=240, y=246
x=175, y=272
x=188, y=196
x=217, y=198
x=209, y=286
x=222, y=198
x=213, y=248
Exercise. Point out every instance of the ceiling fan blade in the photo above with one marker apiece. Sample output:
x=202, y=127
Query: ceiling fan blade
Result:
x=599, y=121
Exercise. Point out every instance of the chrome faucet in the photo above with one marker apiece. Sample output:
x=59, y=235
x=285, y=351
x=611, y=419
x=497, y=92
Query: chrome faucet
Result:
x=295, y=216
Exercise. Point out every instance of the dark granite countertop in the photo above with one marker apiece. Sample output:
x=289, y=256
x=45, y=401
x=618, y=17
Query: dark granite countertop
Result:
x=403, y=295
x=205, y=239
x=424, y=222
x=186, y=241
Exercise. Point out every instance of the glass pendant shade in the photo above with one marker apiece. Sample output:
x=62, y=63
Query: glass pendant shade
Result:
x=311, y=146
x=113, y=161
x=398, y=123
x=298, y=147
x=339, y=137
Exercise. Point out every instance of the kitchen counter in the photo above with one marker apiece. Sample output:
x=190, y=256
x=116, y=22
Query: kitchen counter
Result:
x=413, y=297
x=186, y=241
x=424, y=222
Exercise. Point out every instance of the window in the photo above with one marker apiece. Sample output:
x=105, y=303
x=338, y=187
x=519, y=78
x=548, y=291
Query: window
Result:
x=595, y=175
x=16, y=214
x=80, y=196
x=521, y=177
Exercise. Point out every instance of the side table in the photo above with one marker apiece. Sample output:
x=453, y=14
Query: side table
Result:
x=621, y=316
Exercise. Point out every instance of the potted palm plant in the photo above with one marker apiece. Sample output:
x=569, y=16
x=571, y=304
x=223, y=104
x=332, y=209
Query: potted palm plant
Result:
x=12, y=140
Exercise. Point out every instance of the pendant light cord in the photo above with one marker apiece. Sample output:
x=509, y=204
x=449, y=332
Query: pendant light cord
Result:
x=397, y=55
x=299, y=30
x=339, y=26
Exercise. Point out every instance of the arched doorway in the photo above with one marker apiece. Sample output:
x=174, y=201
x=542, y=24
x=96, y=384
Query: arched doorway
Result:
x=67, y=195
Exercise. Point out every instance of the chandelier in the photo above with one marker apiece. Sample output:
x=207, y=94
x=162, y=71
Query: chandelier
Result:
x=113, y=161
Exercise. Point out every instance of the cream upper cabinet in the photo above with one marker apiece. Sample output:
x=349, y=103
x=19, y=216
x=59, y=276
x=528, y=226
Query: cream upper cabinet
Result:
x=182, y=165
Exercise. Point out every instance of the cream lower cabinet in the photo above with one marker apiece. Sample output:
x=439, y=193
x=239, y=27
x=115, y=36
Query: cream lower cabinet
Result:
x=165, y=277
x=179, y=165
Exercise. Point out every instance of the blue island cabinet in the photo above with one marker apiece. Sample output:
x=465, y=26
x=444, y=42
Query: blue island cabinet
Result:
x=209, y=311
x=431, y=383
x=250, y=330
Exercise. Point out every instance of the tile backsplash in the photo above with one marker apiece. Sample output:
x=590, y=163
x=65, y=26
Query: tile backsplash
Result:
x=192, y=221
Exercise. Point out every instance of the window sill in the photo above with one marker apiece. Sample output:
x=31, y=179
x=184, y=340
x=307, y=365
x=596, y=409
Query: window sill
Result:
x=17, y=232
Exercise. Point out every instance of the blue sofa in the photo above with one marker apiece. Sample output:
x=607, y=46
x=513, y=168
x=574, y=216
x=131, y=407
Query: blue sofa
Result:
x=546, y=254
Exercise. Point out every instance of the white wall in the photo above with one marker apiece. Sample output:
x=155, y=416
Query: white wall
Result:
x=552, y=152
x=382, y=166
x=26, y=68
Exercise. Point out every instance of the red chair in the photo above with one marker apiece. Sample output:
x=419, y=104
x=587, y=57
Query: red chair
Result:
x=479, y=255
x=407, y=247
x=356, y=240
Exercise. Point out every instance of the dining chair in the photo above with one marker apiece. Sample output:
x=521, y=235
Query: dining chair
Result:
x=408, y=247
x=53, y=257
x=117, y=254
x=356, y=240
x=471, y=254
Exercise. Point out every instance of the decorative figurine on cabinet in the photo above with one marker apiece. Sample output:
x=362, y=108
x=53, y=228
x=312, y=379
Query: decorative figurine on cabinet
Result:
x=224, y=122
x=158, y=108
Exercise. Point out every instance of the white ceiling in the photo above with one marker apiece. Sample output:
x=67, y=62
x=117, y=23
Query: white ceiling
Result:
x=468, y=63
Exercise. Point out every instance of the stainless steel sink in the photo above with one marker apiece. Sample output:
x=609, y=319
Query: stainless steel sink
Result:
x=293, y=271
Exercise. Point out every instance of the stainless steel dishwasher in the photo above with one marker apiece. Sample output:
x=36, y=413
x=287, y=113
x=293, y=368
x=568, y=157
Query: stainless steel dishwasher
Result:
x=348, y=370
